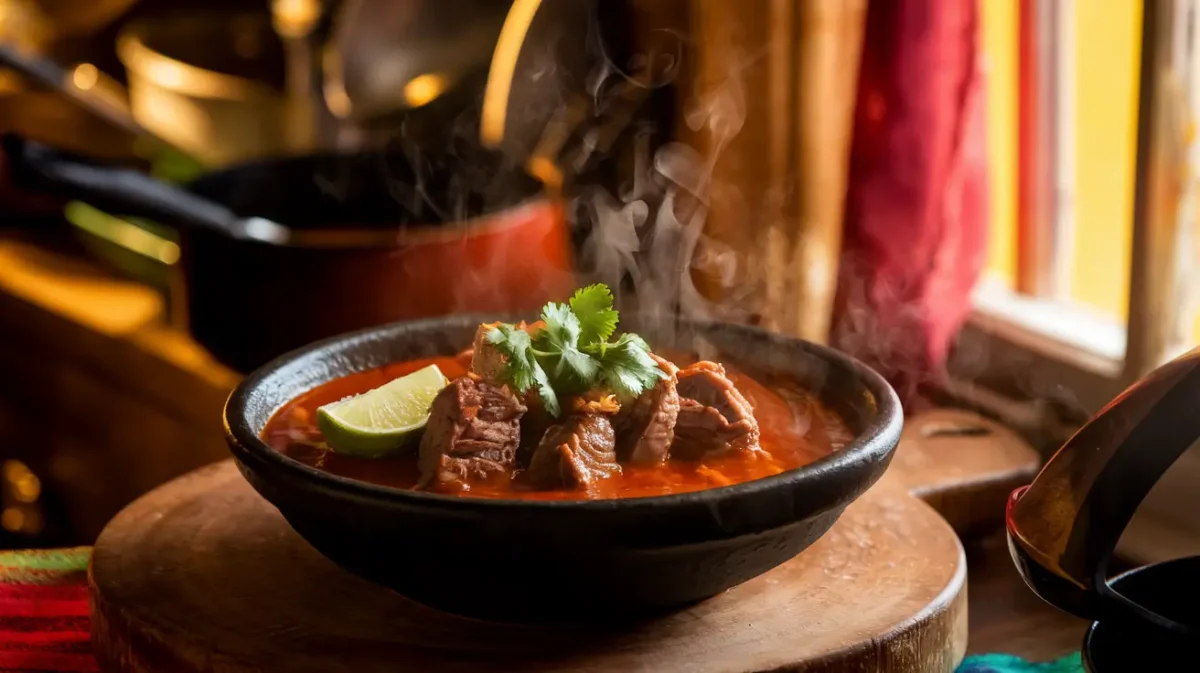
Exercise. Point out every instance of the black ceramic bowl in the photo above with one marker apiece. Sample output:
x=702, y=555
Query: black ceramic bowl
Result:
x=1168, y=589
x=531, y=559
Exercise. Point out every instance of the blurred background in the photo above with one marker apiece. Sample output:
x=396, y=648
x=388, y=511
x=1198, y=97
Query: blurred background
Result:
x=991, y=201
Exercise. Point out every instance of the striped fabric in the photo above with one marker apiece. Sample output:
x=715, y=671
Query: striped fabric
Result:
x=44, y=611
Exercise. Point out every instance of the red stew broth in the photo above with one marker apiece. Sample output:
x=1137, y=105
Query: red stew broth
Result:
x=796, y=429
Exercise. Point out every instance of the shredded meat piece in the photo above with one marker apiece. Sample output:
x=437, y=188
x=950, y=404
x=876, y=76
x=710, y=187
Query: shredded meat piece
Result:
x=714, y=416
x=576, y=453
x=473, y=431
x=666, y=365
x=595, y=403
x=486, y=360
x=646, y=427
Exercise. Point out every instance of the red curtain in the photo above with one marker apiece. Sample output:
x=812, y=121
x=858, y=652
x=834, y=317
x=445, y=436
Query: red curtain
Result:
x=916, y=212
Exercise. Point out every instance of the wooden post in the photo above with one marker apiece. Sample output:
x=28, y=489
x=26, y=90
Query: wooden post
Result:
x=777, y=189
x=829, y=38
x=1154, y=300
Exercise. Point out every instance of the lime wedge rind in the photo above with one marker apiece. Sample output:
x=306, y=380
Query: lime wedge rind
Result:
x=383, y=421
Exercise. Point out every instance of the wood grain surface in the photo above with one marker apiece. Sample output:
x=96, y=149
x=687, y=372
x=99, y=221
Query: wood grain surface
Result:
x=204, y=575
x=964, y=465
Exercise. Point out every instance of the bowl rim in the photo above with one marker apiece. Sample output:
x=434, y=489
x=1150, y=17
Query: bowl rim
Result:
x=876, y=442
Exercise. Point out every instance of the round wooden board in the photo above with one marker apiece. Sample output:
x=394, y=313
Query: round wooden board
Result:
x=204, y=575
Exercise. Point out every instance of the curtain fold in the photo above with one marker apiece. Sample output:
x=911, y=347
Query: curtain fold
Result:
x=916, y=210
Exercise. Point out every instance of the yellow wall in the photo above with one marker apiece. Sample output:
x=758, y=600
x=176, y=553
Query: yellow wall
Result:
x=1000, y=54
x=1107, y=46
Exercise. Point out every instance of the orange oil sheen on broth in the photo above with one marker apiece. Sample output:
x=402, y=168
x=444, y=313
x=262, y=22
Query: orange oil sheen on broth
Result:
x=795, y=429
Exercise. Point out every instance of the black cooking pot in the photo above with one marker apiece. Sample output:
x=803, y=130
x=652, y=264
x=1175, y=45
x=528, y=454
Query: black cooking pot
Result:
x=530, y=559
x=367, y=239
x=1063, y=528
x=1168, y=589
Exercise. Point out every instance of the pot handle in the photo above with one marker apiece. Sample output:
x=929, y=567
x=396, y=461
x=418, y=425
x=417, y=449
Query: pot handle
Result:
x=115, y=189
x=103, y=97
x=1064, y=527
x=49, y=74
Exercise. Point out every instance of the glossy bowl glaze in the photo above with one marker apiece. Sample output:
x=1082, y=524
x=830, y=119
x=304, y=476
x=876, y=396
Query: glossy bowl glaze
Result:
x=1168, y=589
x=522, y=560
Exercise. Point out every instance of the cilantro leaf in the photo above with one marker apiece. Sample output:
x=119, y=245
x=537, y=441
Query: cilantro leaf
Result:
x=627, y=369
x=516, y=345
x=522, y=370
x=593, y=308
x=572, y=354
x=562, y=326
x=556, y=348
x=546, y=392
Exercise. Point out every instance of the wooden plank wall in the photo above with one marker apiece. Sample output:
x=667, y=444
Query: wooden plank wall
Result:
x=778, y=186
x=97, y=395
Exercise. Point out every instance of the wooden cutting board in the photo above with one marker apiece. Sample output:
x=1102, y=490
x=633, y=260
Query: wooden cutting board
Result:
x=204, y=575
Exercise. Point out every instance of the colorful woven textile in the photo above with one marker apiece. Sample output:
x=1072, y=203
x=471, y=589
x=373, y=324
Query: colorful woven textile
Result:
x=44, y=611
x=44, y=619
x=1004, y=663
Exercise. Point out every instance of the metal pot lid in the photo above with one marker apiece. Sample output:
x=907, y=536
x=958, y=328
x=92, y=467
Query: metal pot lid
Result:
x=498, y=71
x=46, y=20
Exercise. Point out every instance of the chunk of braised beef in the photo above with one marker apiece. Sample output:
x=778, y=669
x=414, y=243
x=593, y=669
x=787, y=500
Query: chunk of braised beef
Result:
x=534, y=424
x=645, y=427
x=487, y=362
x=713, y=416
x=575, y=453
x=473, y=431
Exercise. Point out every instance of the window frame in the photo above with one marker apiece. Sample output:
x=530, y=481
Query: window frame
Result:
x=1048, y=386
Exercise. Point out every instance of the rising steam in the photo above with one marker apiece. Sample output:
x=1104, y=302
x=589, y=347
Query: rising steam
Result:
x=646, y=240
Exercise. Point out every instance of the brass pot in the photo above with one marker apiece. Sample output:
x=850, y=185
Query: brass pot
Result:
x=37, y=22
x=210, y=83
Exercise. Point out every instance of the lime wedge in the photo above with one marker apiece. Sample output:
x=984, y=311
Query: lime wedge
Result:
x=382, y=421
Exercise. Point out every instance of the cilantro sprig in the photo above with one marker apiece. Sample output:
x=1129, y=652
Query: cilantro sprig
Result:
x=573, y=354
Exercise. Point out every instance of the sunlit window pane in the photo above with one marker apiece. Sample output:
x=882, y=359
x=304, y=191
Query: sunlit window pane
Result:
x=1000, y=59
x=1107, y=50
x=1083, y=58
